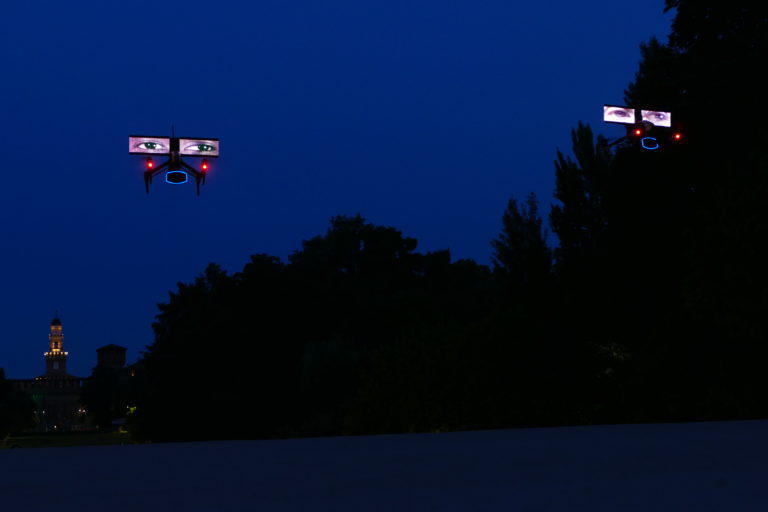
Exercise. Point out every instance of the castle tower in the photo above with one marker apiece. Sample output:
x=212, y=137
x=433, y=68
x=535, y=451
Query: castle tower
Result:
x=56, y=358
x=111, y=356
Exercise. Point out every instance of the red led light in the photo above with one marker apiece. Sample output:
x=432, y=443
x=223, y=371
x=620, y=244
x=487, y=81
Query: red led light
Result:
x=638, y=131
x=678, y=136
x=205, y=165
x=150, y=163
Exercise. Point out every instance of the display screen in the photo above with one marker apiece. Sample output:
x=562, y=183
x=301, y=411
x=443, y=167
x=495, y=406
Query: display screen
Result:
x=148, y=145
x=657, y=117
x=199, y=147
x=613, y=114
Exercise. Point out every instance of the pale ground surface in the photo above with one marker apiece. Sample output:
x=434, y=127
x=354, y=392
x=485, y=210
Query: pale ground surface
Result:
x=675, y=467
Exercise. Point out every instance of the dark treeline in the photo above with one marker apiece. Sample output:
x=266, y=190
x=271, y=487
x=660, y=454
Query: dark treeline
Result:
x=652, y=307
x=17, y=410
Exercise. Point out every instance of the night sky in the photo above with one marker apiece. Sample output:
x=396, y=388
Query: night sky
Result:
x=424, y=115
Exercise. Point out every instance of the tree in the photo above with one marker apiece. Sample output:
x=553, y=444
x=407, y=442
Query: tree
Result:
x=581, y=186
x=287, y=349
x=17, y=409
x=104, y=397
x=521, y=256
x=662, y=248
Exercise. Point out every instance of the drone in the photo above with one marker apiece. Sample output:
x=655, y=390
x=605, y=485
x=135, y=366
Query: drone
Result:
x=176, y=170
x=650, y=128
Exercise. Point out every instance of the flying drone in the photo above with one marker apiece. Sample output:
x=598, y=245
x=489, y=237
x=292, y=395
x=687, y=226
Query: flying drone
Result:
x=176, y=170
x=650, y=128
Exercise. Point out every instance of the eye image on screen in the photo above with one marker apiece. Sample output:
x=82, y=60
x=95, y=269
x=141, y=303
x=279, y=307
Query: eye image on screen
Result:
x=199, y=147
x=657, y=118
x=142, y=145
x=613, y=114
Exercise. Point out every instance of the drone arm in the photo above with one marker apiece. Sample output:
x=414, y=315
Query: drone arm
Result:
x=199, y=176
x=149, y=174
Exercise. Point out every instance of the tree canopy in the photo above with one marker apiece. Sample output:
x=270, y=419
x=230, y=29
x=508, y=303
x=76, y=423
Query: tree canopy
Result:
x=651, y=307
x=17, y=410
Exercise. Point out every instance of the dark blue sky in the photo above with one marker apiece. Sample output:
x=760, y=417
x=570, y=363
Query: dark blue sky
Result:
x=423, y=115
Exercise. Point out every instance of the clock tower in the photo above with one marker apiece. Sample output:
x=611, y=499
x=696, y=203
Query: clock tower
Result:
x=56, y=358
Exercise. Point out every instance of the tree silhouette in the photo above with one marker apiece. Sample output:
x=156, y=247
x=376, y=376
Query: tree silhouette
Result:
x=17, y=409
x=103, y=397
x=521, y=256
x=580, y=220
x=298, y=339
x=654, y=309
x=664, y=246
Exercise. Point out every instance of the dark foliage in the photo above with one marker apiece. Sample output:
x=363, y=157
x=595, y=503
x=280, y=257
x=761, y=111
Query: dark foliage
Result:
x=652, y=308
x=108, y=395
x=680, y=263
x=521, y=258
x=284, y=349
x=17, y=409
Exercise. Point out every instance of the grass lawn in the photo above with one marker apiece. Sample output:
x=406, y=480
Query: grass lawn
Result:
x=51, y=439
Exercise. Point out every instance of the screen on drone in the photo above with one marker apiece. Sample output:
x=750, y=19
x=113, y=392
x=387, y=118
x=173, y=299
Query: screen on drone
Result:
x=199, y=147
x=148, y=145
x=613, y=114
x=657, y=117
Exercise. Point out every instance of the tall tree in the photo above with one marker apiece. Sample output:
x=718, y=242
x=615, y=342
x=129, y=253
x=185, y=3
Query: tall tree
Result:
x=521, y=256
x=580, y=219
x=695, y=253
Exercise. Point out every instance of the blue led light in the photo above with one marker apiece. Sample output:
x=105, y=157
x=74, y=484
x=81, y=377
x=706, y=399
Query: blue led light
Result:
x=176, y=177
x=649, y=143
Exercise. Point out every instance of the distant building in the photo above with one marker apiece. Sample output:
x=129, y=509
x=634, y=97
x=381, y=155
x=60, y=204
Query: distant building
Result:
x=110, y=356
x=57, y=393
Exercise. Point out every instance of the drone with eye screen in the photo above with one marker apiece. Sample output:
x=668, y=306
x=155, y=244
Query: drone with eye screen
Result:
x=176, y=170
x=646, y=127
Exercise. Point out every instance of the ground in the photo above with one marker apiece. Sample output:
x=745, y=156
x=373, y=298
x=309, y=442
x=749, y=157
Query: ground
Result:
x=658, y=467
